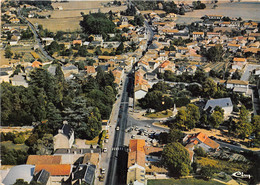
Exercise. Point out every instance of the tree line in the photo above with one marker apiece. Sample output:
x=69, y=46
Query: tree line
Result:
x=50, y=99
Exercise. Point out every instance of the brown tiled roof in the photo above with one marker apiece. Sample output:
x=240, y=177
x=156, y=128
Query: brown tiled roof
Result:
x=239, y=59
x=36, y=64
x=77, y=42
x=150, y=149
x=54, y=169
x=43, y=159
x=137, y=157
x=90, y=69
x=241, y=82
x=137, y=145
x=198, y=33
x=211, y=143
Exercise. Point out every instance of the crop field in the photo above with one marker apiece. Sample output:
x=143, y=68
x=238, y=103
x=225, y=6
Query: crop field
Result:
x=68, y=19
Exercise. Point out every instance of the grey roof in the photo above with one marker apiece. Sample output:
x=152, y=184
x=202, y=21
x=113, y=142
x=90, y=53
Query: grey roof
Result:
x=52, y=69
x=85, y=172
x=221, y=102
x=18, y=78
x=19, y=172
x=42, y=177
x=67, y=130
x=77, y=150
x=70, y=67
x=153, y=46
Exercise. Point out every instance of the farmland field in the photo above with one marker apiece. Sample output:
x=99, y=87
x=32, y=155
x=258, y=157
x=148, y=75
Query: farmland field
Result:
x=68, y=19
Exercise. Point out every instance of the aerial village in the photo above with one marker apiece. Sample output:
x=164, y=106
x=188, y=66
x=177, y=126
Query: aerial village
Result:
x=149, y=101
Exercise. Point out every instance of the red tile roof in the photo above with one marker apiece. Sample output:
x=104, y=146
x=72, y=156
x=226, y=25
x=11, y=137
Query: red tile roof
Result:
x=54, y=169
x=43, y=159
x=150, y=149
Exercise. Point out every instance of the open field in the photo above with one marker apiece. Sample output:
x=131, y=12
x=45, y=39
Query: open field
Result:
x=245, y=10
x=68, y=19
x=63, y=24
x=188, y=181
x=5, y=61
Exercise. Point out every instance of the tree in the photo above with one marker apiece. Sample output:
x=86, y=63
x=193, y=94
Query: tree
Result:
x=174, y=135
x=44, y=146
x=193, y=115
x=207, y=172
x=21, y=182
x=120, y=49
x=216, y=119
x=8, y=52
x=97, y=23
x=139, y=20
x=200, y=152
x=244, y=126
x=215, y=53
x=256, y=123
x=209, y=87
x=176, y=159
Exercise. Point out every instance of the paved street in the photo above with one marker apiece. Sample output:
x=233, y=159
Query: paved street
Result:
x=37, y=37
x=119, y=135
x=248, y=70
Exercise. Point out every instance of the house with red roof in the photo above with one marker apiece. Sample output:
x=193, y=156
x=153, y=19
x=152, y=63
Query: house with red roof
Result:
x=200, y=140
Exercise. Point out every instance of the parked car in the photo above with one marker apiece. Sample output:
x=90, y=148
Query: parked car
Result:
x=117, y=128
x=105, y=150
x=102, y=170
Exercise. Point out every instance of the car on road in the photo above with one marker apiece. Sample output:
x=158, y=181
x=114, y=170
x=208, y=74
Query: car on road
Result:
x=101, y=178
x=133, y=136
x=102, y=170
x=105, y=150
x=106, y=140
x=117, y=128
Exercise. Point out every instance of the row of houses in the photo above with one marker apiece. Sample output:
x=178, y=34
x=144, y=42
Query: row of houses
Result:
x=144, y=161
x=67, y=165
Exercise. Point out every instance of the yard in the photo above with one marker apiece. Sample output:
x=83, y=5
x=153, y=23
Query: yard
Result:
x=222, y=165
x=188, y=181
x=162, y=114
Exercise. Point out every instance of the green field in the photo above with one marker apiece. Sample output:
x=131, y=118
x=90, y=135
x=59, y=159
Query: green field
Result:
x=190, y=181
x=11, y=145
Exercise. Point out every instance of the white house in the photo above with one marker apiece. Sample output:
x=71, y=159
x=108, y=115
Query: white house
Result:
x=65, y=137
x=224, y=103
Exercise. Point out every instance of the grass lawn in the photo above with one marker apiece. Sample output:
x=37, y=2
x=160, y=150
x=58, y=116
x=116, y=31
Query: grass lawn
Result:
x=189, y=181
x=163, y=114
x=93, y=141
x=11, y=145
x=225, y=166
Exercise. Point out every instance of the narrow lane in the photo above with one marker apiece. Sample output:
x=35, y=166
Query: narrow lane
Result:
x=36, y=36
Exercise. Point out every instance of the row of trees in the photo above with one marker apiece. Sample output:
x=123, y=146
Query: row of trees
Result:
x=50, y=98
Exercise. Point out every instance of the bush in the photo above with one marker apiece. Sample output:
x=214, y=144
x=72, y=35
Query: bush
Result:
x=206, y=172
x=200, y=152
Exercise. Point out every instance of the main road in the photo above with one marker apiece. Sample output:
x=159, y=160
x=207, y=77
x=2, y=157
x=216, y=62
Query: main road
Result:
x=123, y=123
x=36, y=35
x=119, y=137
